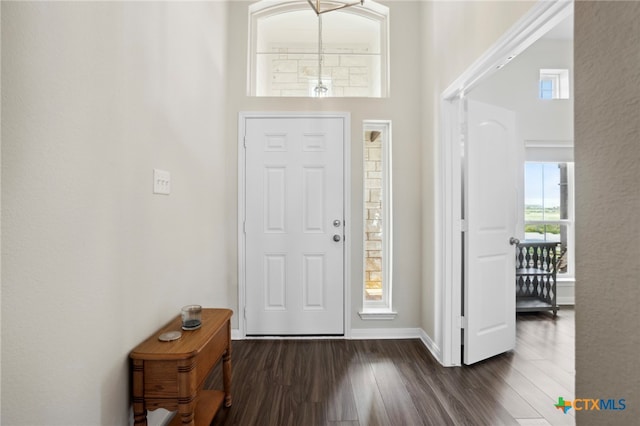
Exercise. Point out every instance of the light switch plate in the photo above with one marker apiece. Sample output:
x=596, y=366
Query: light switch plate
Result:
x=161, y=182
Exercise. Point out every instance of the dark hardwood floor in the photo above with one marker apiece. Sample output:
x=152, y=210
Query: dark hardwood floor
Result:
x=397, y=382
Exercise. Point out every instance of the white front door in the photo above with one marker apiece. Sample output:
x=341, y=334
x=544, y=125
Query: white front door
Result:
x=490, y=212
x=294, y=226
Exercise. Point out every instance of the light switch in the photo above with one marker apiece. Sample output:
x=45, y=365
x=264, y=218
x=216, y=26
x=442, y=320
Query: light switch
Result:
x=161, y=182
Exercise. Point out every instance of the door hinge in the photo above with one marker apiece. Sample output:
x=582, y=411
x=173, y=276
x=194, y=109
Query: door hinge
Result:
x=463, y=322
x=244, y=141
x=244, y=227
x=244, y=313
x=464, y=226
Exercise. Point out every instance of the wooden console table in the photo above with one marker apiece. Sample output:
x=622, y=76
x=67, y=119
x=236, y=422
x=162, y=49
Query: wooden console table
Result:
x=170, y=375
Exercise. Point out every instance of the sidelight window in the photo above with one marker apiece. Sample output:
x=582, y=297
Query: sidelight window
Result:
x=377, y=219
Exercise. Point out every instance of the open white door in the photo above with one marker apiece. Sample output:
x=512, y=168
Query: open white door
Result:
x=490, y=213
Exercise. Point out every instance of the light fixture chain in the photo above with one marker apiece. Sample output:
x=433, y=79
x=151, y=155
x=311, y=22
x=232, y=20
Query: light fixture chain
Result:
x=320, y=55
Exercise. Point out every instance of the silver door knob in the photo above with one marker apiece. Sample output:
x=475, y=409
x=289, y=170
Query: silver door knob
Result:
x=514, y=241
x=336, y=238
x=337, y=223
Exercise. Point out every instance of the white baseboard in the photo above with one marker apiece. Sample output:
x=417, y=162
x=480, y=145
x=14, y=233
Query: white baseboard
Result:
x=565, y=292
x=566, y=301
x=431, y=346
x=385, y=333
x=359, y=334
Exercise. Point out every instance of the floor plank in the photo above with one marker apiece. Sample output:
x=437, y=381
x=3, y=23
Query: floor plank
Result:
x=368, y=400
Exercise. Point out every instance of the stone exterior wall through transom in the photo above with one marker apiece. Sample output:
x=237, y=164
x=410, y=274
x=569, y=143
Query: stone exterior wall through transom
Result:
x=345, y=70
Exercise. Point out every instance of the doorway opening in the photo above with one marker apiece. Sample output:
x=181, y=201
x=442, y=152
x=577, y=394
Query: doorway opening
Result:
x=542, y=18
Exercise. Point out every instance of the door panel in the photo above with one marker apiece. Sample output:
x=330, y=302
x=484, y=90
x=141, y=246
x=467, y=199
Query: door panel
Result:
x=275, y=199
x=491, y=182
x=313, y=281
x=313, y=202
x=294, y=192
x=274, y=281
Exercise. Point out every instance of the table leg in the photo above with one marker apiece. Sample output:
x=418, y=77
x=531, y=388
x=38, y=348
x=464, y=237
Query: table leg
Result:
x=139, y=410
x=139, y=414
x=226, y=376
x=186, y=414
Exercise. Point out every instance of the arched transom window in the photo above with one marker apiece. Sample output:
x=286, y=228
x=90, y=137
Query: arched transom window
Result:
x=285, y=58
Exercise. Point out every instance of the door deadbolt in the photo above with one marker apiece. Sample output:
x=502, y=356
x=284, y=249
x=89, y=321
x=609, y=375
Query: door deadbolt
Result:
x=337, y=223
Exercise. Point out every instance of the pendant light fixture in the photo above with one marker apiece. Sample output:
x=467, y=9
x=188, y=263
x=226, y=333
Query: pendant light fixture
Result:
x=320, y=7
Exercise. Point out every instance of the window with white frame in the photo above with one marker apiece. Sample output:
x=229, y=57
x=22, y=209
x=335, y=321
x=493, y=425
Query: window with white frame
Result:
x=377, y=218
x=548, y=209
x=285, y=59
x=554, y=84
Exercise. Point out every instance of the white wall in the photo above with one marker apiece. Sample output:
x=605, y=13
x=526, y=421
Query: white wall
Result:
x=402, y=108
x=607, y=154
x=94, y=96
x=515, y=87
